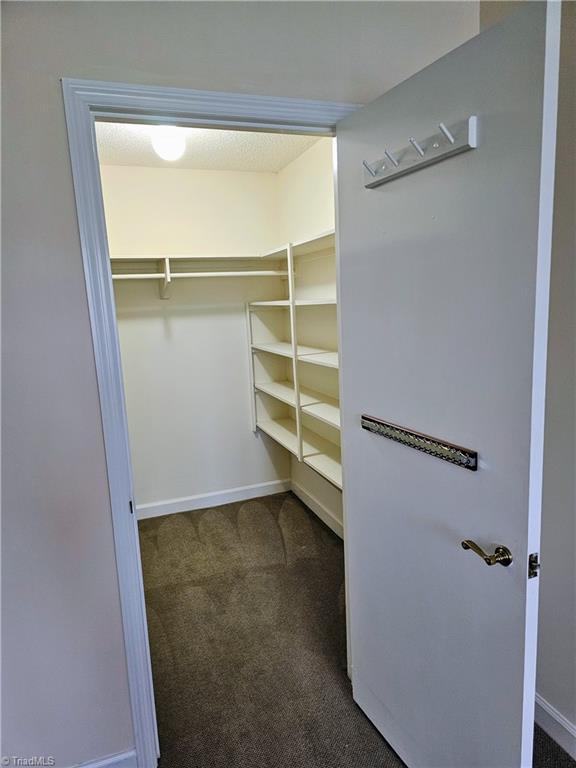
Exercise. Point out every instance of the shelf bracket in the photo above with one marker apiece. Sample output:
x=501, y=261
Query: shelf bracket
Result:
x=449, y=141
x=165, y=284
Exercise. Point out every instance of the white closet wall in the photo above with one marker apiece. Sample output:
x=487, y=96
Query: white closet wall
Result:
x=306, y=194
x=185, y=359
x=170, y=211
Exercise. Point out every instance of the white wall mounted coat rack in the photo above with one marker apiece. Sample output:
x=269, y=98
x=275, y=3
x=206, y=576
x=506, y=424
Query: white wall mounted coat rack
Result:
x=450, y=140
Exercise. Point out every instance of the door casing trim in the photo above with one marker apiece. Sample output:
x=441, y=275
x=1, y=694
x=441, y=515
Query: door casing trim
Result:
x=84, y=102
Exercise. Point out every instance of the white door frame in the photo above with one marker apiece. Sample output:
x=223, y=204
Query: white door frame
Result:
x=85, y=101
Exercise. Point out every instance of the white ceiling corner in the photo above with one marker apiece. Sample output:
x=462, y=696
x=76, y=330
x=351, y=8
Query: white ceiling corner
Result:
x=206, y=148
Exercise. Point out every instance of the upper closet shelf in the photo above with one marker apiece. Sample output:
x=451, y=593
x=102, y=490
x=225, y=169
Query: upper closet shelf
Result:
x=322, y=242
x=277, y=255
x=169, y=268
x=218, y=273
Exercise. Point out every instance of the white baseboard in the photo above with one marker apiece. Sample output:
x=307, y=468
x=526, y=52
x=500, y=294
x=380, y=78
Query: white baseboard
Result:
x=325, y=514
x=121, y=760
x=556, y=725
x=214, y=499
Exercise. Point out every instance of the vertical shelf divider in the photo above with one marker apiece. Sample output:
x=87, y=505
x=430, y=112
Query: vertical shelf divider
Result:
x=294, y=339
x=165, y=285
x=251, y=367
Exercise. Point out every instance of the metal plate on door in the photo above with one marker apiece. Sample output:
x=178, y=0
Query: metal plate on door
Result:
x=433, y=446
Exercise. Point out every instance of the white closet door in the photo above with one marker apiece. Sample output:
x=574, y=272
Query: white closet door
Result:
x=444, y=295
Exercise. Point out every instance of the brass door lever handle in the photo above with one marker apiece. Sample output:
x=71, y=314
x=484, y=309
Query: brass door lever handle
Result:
x=502, y=554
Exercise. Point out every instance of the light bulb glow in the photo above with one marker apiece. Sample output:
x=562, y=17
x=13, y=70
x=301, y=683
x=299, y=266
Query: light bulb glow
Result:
x=168, y=142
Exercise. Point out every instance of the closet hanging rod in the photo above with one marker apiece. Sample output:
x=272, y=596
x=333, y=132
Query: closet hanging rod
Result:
x=176, y=275
x=276, y=255
x=244, y=273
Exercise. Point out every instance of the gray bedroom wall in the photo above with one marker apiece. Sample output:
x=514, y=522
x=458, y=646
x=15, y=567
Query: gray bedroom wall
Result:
x=64, y=689
x=556, y=682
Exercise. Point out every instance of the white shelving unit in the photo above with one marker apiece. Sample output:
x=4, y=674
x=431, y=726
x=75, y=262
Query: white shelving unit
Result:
x=293, y=350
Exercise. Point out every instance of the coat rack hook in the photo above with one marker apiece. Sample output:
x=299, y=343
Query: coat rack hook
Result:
x=370, y=170
x=391, y=158
x=447, y=133
x=416, y=146
x=444, y=143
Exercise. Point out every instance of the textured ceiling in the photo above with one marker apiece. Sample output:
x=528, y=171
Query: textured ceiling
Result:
x=206, y=149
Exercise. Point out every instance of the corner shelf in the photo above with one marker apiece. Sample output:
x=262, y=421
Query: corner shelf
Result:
x=282, y=348
x=309, y=428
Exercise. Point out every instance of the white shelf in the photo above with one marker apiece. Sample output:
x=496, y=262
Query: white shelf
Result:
x=327, y=463
x=189, y=257
x=328, y=467
x=283, y=431
x=319, y=357
x=284, y=348
x=326, y=409
x=314, y=302
x=315, y=404
x=297, y=303
x=284, y=391
x=276, y=253
x=321, y=242
x=177, y=275
x=277, y=303
x=316, y=450
x=240, y=273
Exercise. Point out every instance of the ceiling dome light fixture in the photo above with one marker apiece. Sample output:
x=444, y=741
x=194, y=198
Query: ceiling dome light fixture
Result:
x=168, y=142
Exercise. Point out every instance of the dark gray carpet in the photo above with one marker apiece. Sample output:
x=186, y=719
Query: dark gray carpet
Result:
x=246, y=616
